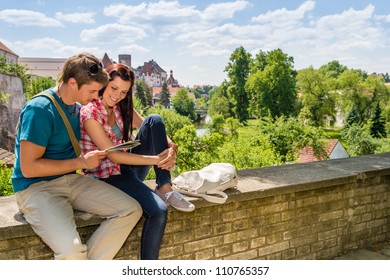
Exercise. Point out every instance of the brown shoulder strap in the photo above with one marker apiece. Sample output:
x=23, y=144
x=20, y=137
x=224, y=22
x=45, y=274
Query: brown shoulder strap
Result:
x=72, y=137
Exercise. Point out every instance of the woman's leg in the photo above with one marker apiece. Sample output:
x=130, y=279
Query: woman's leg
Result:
x=155, y=210
x=153, y=137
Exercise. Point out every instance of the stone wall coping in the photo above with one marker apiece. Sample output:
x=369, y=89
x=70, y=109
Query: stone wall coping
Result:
x=253, y=183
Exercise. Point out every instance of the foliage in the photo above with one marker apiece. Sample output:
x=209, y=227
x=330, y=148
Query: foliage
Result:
x=5, y=180
x=249, y=149
x=143, y=93
x=165, y=96
x=196, y=152
x=219, y=103
x=183, y=104
x=172, y=120
x=272, y=86
x=232, y=126
x=238, y=72
x=4, y=97
x=377, y=129
x=137, y=105
x=386, y=77
x=332, y=69
x=39, y=84
x=14, y=69
x=318, y=101
x=351, y=86
x=359, y=140
x=216, y=124
x=287, y=136
x=352, y=118
x=201, y=103
x=382, y=145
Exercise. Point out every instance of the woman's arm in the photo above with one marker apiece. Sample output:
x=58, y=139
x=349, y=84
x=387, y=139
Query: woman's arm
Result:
x=137, y=119
x=99, y=137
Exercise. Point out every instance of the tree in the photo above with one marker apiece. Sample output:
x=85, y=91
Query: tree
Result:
x=288, y=136
x=5, y=180
x=165, y=96
x=387, y=77
x=14, y=69
x=359, y=140
x=183, y=104
x=143, y=93
x=316, y=97
x=219, y=104
x=196, y=151
x=377, y=129
x=352, y=94
x=140, y=92
x=272, y=87
x=332, y=69
x=148, y=95
x=172, y=120
x=352, y=118
x=39, y=84
x=238, y=72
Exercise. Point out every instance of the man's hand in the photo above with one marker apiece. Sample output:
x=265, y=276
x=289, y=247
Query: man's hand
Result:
x=92, y=159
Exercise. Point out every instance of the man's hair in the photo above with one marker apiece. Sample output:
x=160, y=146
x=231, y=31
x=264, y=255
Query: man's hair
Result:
x=84, y=68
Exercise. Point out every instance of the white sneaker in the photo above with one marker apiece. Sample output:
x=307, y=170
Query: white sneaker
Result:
x=177, y=201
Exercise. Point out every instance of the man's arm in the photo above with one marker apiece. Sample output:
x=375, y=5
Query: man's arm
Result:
x=32, y=163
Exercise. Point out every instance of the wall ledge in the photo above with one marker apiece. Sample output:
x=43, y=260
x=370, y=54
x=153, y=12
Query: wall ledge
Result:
x=256, y=183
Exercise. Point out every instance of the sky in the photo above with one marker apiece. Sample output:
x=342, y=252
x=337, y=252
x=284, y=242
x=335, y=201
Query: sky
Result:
x=195, y=39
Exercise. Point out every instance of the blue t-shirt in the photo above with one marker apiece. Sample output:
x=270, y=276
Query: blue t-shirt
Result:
x=41, y=124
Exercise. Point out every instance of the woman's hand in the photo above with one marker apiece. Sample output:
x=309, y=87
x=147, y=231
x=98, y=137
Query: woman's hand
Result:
x=168, y=157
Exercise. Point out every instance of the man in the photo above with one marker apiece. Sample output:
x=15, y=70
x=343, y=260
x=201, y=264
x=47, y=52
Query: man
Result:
x=46, y=185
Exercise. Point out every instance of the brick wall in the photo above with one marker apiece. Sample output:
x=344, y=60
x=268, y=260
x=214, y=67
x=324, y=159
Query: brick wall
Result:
x=299, y=211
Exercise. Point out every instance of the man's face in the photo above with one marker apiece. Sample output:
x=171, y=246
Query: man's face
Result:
x=88, y=92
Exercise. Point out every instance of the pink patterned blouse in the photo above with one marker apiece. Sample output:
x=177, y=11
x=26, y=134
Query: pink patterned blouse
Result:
x=96, y=111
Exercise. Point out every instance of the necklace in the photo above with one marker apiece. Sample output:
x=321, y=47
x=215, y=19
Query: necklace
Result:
x=72, y=109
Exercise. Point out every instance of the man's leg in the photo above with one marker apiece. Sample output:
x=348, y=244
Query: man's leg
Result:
x=121, y=213
x=154, y=209
x=46, y=208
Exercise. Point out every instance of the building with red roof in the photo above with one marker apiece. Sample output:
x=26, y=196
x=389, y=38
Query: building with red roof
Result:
x=334, y=150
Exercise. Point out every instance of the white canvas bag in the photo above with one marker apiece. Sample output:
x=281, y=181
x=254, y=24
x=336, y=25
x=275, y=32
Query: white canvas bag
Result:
x=208, y=183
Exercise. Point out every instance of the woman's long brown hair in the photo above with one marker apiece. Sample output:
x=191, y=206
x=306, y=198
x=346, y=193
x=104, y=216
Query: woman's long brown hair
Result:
x=126, y=104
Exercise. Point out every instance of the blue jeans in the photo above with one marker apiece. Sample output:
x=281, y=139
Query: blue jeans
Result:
x=153, y=139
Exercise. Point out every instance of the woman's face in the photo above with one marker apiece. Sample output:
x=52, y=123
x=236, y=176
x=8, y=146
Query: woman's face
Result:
x=115, y=91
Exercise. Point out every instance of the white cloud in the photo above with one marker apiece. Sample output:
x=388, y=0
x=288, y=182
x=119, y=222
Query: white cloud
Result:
x=385, y=18
x=110, y=33
x=76, y=17
x=133, y=48
x=225, y=10
x=284, y=16
x=162, y=11
x=351, y=29
x=199, y=49
x=42, y=46
x=28, y=18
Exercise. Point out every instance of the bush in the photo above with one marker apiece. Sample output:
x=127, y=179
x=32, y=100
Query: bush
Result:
x=5, y=180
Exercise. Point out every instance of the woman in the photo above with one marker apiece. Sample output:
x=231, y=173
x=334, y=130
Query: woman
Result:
x=108, y=121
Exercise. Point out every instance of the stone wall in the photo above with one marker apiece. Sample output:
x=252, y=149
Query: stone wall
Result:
x=300, y=211
x=9, y=111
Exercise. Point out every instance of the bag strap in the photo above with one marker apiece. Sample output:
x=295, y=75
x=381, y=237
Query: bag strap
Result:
x=72, y=137
x=220, y=197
